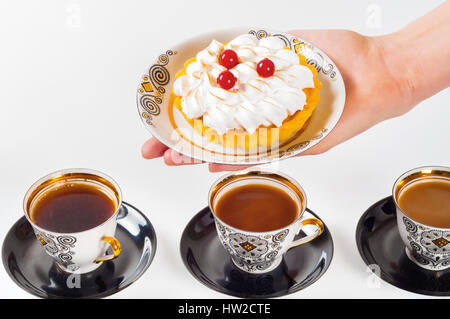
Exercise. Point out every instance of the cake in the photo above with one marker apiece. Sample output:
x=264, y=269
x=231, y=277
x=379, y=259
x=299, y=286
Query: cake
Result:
x=247, y=92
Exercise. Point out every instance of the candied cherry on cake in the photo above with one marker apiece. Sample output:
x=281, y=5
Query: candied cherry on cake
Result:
x=226, y=80
x=229, y=59
x=265, y=68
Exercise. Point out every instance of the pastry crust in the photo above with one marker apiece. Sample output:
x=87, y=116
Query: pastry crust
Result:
x=263, y=136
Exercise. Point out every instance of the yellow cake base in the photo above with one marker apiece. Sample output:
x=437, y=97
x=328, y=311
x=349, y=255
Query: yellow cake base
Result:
x=263, y=136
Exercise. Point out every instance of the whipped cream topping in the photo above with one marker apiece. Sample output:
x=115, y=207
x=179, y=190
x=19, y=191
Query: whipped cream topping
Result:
x=253, y=101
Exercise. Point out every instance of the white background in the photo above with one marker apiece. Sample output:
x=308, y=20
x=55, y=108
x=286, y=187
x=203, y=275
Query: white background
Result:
x=68, y=77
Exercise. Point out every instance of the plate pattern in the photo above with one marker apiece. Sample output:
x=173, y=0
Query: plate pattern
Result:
x=152, y=87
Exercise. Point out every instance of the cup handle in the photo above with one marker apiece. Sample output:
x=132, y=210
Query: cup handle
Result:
x=115, y=245
x=319, y=229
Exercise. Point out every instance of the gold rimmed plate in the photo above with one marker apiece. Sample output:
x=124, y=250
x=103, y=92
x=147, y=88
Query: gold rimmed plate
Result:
x=166, y=123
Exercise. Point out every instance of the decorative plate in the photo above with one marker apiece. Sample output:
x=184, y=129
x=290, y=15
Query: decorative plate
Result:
x=155, y=90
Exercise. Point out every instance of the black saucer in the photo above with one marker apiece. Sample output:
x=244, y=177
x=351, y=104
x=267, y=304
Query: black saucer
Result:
x=35, y=271
x=379, y=243
x=210, y=263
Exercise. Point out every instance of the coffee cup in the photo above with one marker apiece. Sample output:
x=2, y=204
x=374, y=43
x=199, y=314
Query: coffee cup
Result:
x=73, y=213
x=422, y=199
x=252, y=249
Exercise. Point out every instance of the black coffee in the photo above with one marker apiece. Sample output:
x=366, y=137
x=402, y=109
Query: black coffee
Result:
x=427, y=202
x=257, y=208
x=72, y=207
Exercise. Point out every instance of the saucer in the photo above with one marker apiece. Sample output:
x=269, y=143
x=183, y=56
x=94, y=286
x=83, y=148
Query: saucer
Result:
x=207, y=260
x=379, y=243
x=34, y=271
x=170, y=127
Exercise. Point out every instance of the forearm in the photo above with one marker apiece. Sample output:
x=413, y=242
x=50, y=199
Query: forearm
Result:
x=419, y=54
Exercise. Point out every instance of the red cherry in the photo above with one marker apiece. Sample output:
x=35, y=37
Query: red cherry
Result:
x=265, y=68
x=226, y=80
x=229, y=59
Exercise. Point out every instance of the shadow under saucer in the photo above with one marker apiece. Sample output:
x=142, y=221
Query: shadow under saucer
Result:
x=207, y=260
